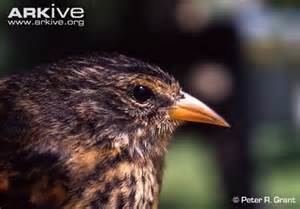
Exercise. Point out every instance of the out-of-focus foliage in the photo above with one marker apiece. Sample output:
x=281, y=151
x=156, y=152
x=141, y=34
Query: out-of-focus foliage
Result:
x=276, y=150
x=283, y=3
x=191, y=179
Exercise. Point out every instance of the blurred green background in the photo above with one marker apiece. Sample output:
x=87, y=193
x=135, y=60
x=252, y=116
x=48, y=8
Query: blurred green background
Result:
x=240, y=57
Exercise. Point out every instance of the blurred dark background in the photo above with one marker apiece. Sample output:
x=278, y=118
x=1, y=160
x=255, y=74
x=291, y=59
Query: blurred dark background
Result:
x=240, y=57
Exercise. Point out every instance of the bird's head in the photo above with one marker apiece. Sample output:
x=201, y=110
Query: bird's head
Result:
x=121, y=102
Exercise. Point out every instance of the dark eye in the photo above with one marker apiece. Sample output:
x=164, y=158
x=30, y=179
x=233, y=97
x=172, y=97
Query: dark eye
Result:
x=142, y=93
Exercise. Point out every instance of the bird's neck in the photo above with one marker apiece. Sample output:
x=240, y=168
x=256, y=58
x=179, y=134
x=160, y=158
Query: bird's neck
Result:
x=127, y=171
x=118, y=181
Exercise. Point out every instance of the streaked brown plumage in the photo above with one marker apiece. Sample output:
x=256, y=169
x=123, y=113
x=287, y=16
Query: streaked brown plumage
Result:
x=89, y=132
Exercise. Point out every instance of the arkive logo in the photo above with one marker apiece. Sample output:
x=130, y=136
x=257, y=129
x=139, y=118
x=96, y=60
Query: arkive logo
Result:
x=51, y=15
x=47, y=12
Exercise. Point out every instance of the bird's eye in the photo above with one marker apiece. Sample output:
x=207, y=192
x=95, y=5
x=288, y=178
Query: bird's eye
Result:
x=142, y=93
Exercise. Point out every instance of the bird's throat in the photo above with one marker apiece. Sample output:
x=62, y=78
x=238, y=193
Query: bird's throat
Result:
x=120, y=183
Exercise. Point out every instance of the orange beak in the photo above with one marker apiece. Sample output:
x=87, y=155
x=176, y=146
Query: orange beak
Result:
x=191, y=109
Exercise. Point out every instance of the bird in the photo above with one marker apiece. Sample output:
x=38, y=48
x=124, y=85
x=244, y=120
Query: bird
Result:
x=90, y=132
